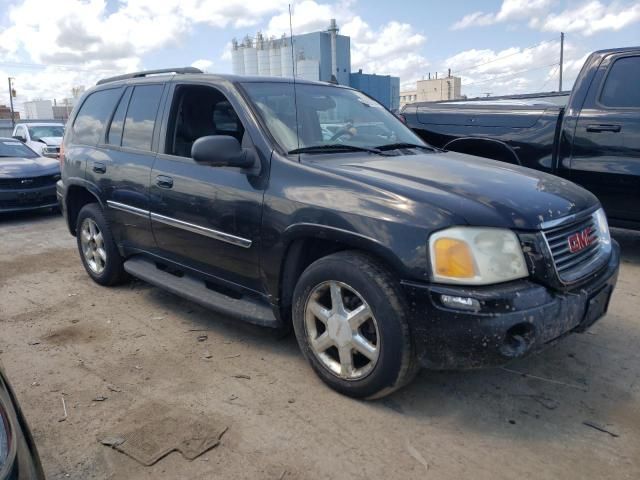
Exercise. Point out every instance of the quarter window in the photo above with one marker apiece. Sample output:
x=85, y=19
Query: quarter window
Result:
x=114, y=135
x=88, y=126
x=141, y=117
x=621, y=86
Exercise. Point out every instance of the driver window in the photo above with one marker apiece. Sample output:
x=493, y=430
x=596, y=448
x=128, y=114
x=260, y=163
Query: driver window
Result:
x=199, y=111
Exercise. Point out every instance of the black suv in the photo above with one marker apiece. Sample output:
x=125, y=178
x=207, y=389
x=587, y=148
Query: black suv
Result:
x=311, y=205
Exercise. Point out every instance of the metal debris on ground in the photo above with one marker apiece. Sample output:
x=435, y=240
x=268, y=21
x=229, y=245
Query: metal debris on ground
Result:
x=600, y=428
x=202, y=338
x=246, y=377
x=100, y=398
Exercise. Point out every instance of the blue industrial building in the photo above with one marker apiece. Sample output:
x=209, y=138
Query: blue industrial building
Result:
x=323, y=56
x=384, y=88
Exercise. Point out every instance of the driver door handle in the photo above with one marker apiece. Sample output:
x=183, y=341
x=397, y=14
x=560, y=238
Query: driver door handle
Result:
x=99, y=167
x=164, y=182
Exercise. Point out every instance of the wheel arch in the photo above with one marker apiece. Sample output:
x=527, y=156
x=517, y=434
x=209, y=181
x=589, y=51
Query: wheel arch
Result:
x=484, y=147
x=78, y=195
x=306, y=243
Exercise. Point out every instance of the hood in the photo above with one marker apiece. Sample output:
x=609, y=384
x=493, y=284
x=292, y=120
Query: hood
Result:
x=483, y=192
x=52, y=141
x=16, y=167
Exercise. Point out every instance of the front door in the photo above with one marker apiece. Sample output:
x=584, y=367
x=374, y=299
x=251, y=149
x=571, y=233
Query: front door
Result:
x=205, y=217
x=606, y=151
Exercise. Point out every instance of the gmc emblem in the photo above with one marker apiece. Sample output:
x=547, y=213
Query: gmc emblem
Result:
x=580, y=240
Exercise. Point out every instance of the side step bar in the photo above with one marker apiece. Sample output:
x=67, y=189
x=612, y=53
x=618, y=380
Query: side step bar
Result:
x=194, y=289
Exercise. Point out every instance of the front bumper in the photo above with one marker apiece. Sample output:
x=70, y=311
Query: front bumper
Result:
x=18, y=200
x=514, y=319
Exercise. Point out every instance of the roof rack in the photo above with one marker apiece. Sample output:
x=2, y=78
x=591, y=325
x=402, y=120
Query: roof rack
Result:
x=144, y=73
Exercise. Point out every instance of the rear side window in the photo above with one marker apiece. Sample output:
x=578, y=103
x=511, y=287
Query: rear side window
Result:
x=94, y=113
x=141, y=116
x=621, y=86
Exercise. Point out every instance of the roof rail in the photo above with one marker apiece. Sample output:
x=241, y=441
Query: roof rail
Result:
x=144, y=73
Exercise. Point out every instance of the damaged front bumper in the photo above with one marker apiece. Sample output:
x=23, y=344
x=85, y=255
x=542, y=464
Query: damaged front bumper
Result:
x=502, y=322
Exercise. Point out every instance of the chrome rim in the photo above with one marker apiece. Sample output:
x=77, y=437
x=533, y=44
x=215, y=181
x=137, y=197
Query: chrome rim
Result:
x=342, y=330
x=92, y=243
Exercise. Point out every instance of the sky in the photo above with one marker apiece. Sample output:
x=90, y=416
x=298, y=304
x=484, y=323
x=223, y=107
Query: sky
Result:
x=496, y=46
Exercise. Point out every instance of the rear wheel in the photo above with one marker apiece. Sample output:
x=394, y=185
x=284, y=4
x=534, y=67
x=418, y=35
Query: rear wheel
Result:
x=350, y=321
x=98, y=251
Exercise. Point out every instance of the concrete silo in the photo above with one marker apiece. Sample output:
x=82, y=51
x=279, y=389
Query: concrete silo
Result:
x=275, y=63
x=237, y=58
x=264, y=67
x=250, y=57
x=286, y=58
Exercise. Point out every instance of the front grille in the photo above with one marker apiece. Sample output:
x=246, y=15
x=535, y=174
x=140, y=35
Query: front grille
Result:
x=575, y=250
x=26, y=183
x=28, y=202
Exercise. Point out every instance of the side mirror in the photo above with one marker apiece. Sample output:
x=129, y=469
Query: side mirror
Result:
x=20, y=137
x=221, y=151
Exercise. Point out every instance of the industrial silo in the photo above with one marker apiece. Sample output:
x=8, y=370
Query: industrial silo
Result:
x=250, y=57
x=237, y=58
x=275, y=65
x=286, y=58
x=264, y=67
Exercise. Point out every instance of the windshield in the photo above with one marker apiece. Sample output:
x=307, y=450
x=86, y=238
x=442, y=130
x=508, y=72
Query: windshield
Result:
x=14, y=148
x=326, y=115
x=43, y=131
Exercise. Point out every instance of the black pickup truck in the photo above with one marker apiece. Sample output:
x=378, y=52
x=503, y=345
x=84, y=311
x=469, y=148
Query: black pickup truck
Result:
x=311, y=205
x=594, y=140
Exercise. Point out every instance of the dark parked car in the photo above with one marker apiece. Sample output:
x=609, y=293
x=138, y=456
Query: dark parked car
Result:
x=594, y=140
x=384, y=253
x=18, y=454
x=27, y=180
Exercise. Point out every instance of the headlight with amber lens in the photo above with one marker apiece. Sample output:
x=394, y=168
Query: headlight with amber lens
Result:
x=476, y=256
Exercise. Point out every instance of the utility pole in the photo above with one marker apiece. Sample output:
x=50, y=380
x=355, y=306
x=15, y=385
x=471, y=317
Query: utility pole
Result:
x=561, y=60
x=13, y=120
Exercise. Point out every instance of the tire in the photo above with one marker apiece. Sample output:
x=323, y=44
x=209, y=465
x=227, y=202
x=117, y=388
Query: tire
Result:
x=98, y=251
x=386, y=361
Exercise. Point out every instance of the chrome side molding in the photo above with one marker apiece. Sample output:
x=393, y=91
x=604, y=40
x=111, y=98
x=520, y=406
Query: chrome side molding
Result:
x=174, y=222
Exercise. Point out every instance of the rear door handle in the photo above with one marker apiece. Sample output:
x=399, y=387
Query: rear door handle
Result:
x=99, y=167
x=603, y=128
x=164, y=182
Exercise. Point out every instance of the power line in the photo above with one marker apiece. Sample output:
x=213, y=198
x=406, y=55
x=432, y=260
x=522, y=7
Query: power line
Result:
x=551, y=75
x=509, y=75
x=503, y=57
x=62, y=66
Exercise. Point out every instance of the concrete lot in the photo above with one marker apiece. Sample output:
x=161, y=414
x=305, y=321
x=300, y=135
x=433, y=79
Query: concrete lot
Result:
x=63, y=335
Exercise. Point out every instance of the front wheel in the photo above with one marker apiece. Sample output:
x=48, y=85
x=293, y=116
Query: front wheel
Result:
x=350, y=322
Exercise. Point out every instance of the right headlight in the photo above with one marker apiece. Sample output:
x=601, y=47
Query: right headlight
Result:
x=476, y=256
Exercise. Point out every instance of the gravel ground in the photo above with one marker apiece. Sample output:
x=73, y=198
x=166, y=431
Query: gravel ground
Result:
x=64, y=336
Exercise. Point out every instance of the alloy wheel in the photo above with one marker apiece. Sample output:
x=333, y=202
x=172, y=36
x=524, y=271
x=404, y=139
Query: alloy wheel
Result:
x=93, y=248
x=342, y=330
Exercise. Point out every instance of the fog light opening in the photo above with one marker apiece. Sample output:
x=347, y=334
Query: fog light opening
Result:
x=518, y=340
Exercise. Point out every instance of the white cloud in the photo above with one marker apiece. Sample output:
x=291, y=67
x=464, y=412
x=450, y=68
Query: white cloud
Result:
x=510, y=10
x=585, y=18
x=203, y=64
x=390, y=49
x=590, y=18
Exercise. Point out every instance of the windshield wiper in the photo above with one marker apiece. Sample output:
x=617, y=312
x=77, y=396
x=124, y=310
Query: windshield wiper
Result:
x=394, y=146
x=337, y=147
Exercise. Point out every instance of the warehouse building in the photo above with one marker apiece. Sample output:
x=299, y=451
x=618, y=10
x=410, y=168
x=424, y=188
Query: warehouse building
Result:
x=433, y=90
x=320, y=56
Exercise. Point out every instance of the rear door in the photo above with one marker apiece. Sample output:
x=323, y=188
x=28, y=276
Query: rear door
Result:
x=123, y=172
x=605, y=156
